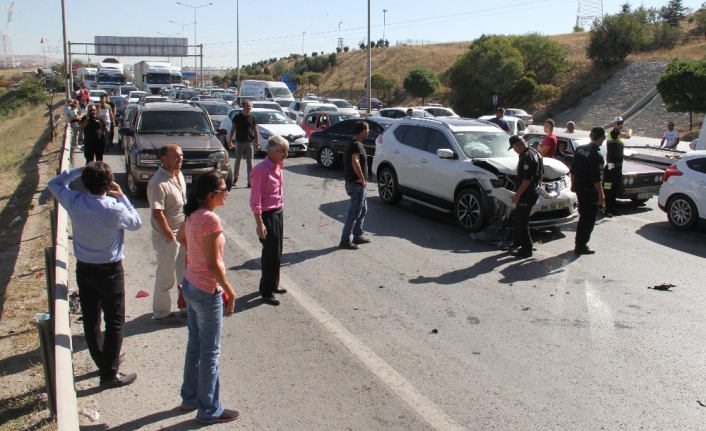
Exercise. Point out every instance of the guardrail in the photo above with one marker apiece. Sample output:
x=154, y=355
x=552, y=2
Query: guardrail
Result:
x=63, y=373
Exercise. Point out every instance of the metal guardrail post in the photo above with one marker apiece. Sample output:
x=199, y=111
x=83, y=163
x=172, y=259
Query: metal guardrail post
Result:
x=66, y=404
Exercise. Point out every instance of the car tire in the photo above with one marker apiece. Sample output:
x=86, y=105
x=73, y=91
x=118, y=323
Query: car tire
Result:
x=682, y=212
x=326, y=158
x=387, y=187
x=468, y=210
x=135, y=190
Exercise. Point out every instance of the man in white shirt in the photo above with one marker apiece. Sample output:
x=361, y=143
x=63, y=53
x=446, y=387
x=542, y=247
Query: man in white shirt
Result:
x=671, y=135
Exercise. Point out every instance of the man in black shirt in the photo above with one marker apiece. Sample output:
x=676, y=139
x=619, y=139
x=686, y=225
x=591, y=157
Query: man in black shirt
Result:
x=355, y=163
x=613, y=172
x=586, y=178
x=499, y=114
x=94, y=131
x=530, y=170
x=245, y=130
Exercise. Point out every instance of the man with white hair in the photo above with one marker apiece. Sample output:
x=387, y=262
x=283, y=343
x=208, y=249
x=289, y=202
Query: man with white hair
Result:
x=570, y=127
x=266, y=203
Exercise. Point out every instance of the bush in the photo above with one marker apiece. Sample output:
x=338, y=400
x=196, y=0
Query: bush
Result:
x=541, y=55
x=665, y=36
x=421, y=82
x=346, y=49
x=32, y=90
x=616, y=37
x=683, y=85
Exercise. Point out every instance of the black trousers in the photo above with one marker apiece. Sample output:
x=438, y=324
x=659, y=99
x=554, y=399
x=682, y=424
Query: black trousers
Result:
x=611, y=186
x=101, y=287
x=271, y=251
x=93, y=150
x=588, y=211
x=522, y=219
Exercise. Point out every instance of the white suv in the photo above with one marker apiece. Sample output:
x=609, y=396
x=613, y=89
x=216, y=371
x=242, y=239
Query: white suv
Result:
x=683, y=193
x=464, y=167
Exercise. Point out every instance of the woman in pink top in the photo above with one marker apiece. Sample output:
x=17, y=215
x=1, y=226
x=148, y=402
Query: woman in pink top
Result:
x=203, y=286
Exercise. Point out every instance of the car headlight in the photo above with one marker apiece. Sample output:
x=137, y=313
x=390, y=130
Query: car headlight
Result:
x=217, y=157
x=658, y=178
x=625, y=181
x=265, y=134
x=147, y=159
x=631, y=180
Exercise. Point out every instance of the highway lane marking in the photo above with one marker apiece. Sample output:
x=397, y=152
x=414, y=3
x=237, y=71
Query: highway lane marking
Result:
x=426, y=408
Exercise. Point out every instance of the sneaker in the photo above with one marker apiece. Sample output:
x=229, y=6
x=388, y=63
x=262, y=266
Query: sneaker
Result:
x=120, y=379
x=169, y=319
x=584, y=250
x=272, y=300
x=228, y=416
x=347, y=245
x=361, y=240
x=521, y=253
x=280, y=290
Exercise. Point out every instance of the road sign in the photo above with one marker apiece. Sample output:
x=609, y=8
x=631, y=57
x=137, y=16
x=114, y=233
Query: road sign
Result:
x=287, y=79
x=188, y=74
x=495, y=100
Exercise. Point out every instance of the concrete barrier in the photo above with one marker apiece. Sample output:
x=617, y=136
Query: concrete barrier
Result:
x=66, y=404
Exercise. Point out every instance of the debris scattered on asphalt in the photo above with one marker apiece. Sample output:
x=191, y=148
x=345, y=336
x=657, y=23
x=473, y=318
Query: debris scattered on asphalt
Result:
x=510, y=284
x=434, y=331
x=700, y=403
x=15, y=221
x=429, y=237
x=40, y=274
x=355, y=308
x=525, y=308
x=324, y=225
x=381, y=286
x=340, y=216
x=567, y=293
x=303, y=225
x=90, y=414
x=476, y=353
x=142, y=294
x=665, y=286
x=603, y=276
x=42, y=396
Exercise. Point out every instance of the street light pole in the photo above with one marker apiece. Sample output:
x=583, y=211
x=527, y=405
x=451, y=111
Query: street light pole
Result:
x=303, y=33
x=68, y=66
x=169, y=59
x=384, y=20
x=369, y=90
x=182, y=34
x=237, y=25
x=195, y=41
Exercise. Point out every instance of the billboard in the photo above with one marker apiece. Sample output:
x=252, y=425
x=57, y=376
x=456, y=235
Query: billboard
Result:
x=120, y=46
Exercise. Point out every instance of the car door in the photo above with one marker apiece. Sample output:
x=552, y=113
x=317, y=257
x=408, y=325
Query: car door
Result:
x=310, y=124
x=410, y=156
x=339, y=135
x=436, y=176
x=697, y=178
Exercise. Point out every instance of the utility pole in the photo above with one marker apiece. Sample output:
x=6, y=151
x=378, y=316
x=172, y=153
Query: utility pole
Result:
x=369, y=90
x=303, y=33
x=384, y=20
x=195, y=42
x=67, y=66
x=182, y=34
x=237, y=25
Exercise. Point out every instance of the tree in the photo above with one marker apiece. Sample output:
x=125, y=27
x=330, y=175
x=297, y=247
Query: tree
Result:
x=372, y=44
x=673, y=12
x=339, y=49
x=541, y=55
x=315, y=79
x=700, y=16
x=346, y=49
x=421, y=82
x=314, y=54
x=387, y=43
x=266, y=70
x=578, y=29
x=279, y=68
x=333, y=60
x=683, y=85
x=546, y=92
x=616, y=37
x=385, y=83
x=665, y=36
x=625, y=7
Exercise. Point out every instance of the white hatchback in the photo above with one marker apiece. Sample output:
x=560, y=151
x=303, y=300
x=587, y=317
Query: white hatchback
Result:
x=683, y=194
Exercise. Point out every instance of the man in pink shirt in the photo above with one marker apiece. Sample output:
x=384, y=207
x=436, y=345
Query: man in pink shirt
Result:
x=548, y=146
x=266, y=205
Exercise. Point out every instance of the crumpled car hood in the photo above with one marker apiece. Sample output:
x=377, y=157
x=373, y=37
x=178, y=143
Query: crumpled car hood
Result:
x=553, y=169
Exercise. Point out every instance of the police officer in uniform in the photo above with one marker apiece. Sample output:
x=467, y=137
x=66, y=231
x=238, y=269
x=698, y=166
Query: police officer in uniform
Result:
x=586, y=179
x=530, y=170
x=613, y=172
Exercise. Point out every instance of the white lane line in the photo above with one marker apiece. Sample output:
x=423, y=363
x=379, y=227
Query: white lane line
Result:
x=426, y=408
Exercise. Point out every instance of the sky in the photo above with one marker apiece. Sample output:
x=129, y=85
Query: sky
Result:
x=276, y=28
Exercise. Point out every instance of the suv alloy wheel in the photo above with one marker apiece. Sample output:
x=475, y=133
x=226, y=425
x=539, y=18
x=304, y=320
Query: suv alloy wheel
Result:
x=327, y=158
x=468, y=210
x=387, y=187
x=682, y=212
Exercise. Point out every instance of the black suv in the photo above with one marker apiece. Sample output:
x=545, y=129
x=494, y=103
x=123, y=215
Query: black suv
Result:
x=155, y=124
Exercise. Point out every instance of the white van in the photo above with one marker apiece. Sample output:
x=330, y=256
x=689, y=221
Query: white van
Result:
x=266, y=90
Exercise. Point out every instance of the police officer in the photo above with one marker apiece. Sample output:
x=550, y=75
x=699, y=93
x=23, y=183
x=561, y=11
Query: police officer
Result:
x=613, y=172
x=530, y=170
x=586, y=178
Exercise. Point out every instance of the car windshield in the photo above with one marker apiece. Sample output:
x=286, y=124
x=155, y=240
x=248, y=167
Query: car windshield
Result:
x=96, y=93
x=126, y=91
x=518, y=112
x=114, y=79
x=175, y=122
x=578, y=142
x=333, y=119
x=323, y=108
x=484, y=143
x=280, y=92
x=271, y=118
x=137, y=94
x=119, y=101
x=342, y=104
x=283, y=103
x=228, y=97
x=158, y=78
x=186, y=94
x=214, y=109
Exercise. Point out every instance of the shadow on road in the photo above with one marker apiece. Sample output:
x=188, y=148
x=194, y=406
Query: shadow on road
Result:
x=662, y=233
x=313, y=169
x=483, y=266
x=532, y=269
x=20, y=362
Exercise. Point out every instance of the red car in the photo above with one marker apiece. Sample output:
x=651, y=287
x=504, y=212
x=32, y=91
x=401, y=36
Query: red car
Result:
x=320, y=120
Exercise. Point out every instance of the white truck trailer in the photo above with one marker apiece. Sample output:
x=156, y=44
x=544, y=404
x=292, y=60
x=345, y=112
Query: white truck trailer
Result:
x=152, y=76
x=110, y=75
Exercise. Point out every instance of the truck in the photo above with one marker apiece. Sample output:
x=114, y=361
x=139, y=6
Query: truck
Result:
x=266, y=90
x=176, y=77
x=86, y=76
x=110, y=75
x=152, y=76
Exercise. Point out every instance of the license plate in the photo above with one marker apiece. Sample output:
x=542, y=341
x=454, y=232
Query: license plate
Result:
x=644, y=195
x=187, y=178
x=552, y=207
x=295, y=147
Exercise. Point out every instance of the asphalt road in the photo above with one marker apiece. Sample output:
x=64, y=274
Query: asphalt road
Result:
x=552, y=342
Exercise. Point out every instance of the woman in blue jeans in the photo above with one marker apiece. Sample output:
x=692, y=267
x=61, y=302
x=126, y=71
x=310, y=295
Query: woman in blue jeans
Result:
x=203, y=287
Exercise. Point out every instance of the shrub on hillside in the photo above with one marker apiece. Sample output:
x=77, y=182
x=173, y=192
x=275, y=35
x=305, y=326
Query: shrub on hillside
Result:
x=615, y=38
x=665, y=36
x=421, y=82
x=541, y=55
x=683, y=85
x=32, y=90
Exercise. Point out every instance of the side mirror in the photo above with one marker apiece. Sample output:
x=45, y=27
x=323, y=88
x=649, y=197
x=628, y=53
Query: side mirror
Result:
x=126, y=131
x=445, y=153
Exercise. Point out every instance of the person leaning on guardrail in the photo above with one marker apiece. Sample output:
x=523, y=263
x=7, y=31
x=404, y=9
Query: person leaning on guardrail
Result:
x=99, y=219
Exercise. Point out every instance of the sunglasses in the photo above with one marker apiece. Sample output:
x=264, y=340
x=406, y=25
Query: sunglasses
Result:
x=221, y=190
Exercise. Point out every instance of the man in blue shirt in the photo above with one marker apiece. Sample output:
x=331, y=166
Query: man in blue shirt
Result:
x=99, y=220
x=499, y=120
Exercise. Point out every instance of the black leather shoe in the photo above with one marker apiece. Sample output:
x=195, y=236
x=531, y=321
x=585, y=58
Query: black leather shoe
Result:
x=347, y=245
x=521, y=253
x=120, y=379
x=228, y=416
x=280, y=290
x=272, y=300
x=361, y=241
x=584, y=250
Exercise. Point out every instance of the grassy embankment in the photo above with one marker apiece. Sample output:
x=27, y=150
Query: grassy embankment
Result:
x=25, y=152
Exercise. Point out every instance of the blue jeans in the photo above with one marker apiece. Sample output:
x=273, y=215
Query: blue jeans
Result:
x=356, y=212
x=205, y=323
